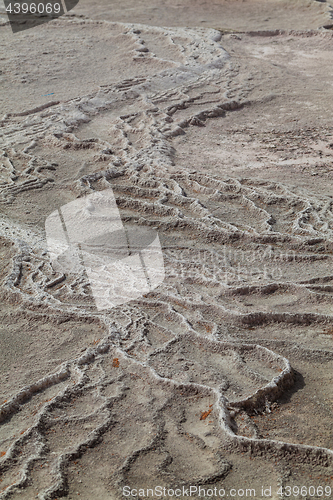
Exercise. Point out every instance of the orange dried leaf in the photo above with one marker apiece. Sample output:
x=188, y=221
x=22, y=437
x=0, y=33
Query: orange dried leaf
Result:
x=205, y=414
x=115, y=363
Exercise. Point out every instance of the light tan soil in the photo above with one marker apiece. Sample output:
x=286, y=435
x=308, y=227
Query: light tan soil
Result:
x=223, y=143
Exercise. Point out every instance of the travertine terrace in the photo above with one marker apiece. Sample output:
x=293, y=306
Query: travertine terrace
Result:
x=215, y=130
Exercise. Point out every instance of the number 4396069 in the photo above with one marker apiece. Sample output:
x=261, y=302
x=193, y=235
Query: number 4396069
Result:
x=303, y=491
x=33, y=8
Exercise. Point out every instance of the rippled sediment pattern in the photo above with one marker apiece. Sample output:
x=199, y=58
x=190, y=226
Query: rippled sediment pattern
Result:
x=192, y=382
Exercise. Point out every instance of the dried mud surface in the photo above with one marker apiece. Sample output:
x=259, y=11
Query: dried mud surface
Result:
x=223, y=143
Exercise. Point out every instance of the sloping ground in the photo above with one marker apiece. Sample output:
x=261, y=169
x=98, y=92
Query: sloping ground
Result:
x=224, y=14
x=221, y=377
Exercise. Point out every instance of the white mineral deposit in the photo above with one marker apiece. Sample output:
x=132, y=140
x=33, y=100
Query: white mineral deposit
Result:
x=166, y=244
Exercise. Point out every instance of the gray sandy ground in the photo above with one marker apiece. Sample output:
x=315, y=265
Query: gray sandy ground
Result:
x=223, y=143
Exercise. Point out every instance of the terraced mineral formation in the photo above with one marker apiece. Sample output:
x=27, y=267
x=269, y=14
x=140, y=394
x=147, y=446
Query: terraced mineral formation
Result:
x=221, y=376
